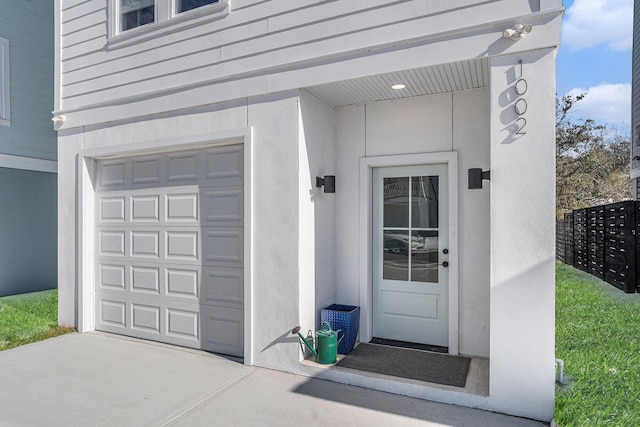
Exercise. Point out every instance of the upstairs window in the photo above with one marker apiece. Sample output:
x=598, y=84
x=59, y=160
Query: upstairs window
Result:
x=127, y=15
x=185, y=5
x=4, y=83
x=134, y=13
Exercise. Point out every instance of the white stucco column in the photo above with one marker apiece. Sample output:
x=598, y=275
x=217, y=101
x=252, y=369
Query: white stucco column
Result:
x=275, y=240
x=68, y=148
x=522, y=189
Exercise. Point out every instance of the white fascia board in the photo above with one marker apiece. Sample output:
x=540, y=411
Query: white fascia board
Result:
x=635, y=173
x=28, y=163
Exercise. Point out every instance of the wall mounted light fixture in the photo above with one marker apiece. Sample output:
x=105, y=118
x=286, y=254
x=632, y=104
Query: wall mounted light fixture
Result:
x=58, y=120
x=476, y=176
x=328, y=182
x=517, y=31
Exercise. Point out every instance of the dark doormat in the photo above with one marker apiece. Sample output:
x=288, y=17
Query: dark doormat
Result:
x=408, y=363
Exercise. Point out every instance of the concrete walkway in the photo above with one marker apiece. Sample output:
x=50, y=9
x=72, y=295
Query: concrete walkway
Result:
x=104, y=380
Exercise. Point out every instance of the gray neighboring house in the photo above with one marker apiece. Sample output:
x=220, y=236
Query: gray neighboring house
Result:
x=28, y=153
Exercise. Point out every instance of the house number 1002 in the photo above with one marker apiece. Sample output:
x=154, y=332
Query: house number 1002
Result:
x=520, y=105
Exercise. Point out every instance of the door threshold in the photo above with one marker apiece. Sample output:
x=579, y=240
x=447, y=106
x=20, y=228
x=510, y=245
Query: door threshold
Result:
x=412, y=345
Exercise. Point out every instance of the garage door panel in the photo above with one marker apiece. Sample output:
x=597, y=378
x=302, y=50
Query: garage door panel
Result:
x=145, y=244
x=183, y=324
x=146, y=280
x=182, y=207
x=223, y=166
x=112, y=313
x=111, y=210
x=222, y=206
x=223, y=286
x=182, y=167
x=223, y=247
x=145, y=208
x=223, y=330
x=111, y=276
x=146, y=170
x=142, y=315
x=156, y=244
x=111, y=243
x=145, y=318
x=169, y=240
x=183, y=283
x=182, y=245
x=112, y=173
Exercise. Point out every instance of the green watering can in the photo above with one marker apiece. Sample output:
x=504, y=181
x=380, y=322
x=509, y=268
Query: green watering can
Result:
x=327, y=339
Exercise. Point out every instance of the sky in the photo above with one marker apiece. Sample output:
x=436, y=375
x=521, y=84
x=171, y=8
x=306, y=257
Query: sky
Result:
x=595, y=58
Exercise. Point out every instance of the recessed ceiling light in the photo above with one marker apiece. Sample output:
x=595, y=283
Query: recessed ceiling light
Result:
x=398, y=86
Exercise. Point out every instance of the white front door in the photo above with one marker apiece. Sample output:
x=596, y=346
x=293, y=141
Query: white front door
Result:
x=410, y=247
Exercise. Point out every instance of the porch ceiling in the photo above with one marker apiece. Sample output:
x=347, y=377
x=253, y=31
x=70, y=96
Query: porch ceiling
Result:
x=431, y=80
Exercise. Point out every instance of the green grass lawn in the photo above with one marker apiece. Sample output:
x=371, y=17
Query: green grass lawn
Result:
x=598, y=337
x=28, y=318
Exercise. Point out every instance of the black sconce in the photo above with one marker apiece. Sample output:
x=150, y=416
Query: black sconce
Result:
x=328, y=182
x=476, y=176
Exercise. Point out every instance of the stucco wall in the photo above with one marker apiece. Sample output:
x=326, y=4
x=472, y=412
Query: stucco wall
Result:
x=421, y=125
x=317, y=208
x=275, y=230
x=522, y=236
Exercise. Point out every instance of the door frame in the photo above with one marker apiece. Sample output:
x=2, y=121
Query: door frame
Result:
x=367, y=164
x=85, y=192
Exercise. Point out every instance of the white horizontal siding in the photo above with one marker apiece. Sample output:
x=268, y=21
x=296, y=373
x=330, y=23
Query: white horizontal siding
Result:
x=256, y=38
x=79, y=9
x=86, y=34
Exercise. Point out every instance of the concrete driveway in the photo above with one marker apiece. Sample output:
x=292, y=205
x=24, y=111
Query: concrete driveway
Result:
x=105, y=380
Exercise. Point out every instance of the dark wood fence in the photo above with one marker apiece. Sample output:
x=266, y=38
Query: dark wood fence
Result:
x=603, y=241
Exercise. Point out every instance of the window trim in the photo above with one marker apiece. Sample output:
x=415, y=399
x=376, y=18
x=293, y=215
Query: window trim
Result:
x=166, y=15
x=5, y=110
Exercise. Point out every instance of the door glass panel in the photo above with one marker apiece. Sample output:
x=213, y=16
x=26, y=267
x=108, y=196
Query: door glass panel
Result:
x=396, y=202
x=410, y=228
x=396, y=255
x=424, y=256
x=424, y=202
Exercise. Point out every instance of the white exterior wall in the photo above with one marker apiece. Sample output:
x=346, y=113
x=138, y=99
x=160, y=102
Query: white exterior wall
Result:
x=317, y=209
x=276, y=215
x=427, y=124
x=522, y=237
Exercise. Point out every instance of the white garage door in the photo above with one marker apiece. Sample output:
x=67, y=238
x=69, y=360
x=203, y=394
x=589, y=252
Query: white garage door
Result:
x=169, y=246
